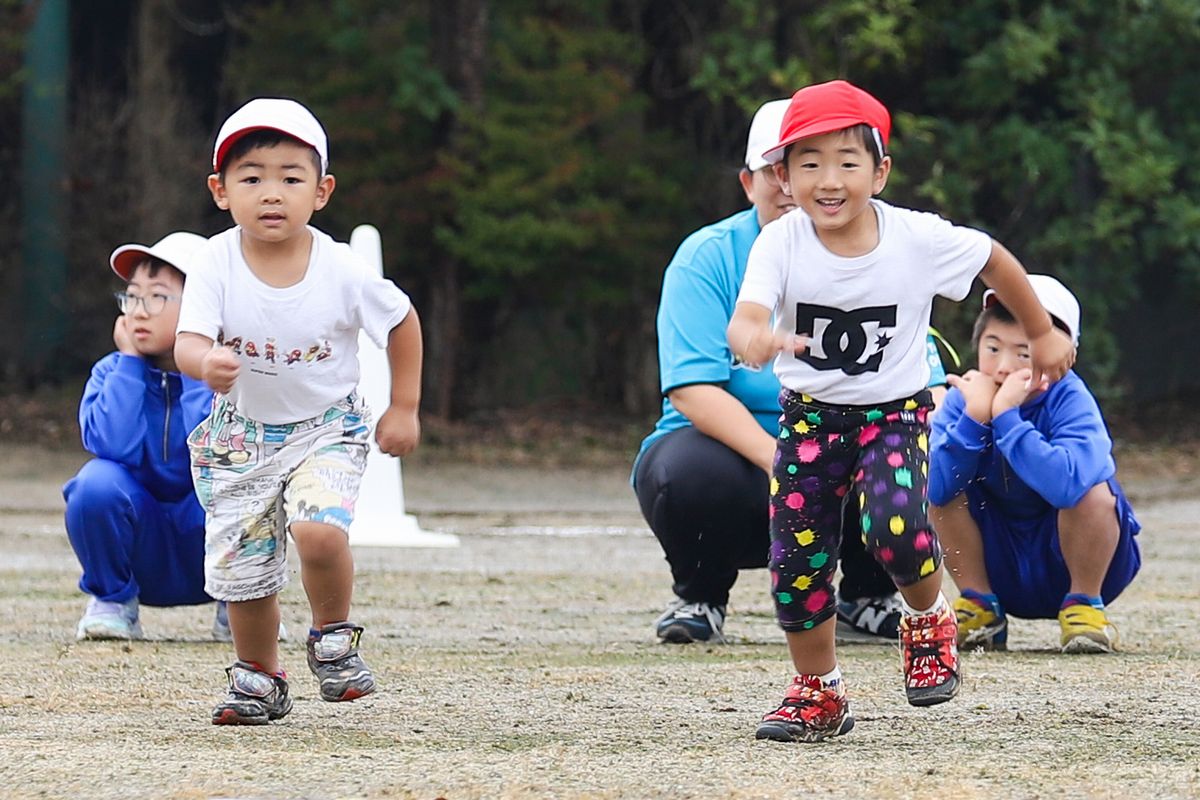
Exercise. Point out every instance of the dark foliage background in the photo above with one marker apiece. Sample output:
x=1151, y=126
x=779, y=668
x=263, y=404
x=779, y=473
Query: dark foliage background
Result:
x=532, y=164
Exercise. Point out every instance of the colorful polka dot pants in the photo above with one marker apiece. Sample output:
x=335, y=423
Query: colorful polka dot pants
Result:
x=875, y=456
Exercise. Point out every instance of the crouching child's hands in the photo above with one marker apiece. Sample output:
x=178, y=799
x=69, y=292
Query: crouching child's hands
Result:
x=978, y=392
x=1016, y=389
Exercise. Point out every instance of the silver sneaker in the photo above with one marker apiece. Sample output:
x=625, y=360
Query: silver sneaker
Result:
x=333, y=657
x=254, y=698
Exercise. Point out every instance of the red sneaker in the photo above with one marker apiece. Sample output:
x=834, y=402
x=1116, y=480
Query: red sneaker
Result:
x=929, y=647
x=809, y=712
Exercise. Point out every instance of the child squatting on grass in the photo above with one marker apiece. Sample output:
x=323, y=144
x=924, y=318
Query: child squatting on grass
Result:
x=850, y=282
x=270, y=320
x=1023, y=491
x=132, y=516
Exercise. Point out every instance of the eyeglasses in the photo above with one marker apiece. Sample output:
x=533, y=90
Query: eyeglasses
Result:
x=768, y=173
x=154, y=304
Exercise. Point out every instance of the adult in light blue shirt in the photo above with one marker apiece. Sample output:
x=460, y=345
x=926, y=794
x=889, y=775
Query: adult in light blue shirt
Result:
x=701, y=476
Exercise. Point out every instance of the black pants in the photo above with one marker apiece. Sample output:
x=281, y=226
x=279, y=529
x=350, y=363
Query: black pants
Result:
x=708, y=507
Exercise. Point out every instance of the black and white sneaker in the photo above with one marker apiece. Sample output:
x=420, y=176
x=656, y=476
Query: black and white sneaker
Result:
x=333, y=657
x=254, y=697
x=685, y=622
x=869, y=620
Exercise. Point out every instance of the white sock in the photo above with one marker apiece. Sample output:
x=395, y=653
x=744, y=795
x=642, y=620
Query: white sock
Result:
x=833, y=678
x=937, y=606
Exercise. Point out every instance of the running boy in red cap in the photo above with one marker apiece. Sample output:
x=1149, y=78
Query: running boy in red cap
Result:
x=270, y=320
x=840, y=296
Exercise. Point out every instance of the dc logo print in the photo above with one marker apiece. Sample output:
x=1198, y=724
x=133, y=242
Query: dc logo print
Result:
x=844, y=339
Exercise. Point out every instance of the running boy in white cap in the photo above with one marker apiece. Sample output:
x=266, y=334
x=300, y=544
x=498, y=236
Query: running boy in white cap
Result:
x=132, y=516
x=1023, y=491
x=271, y=321
x=851, y=285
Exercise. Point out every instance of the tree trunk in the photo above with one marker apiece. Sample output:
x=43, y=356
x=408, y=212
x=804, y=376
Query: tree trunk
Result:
x=460, y=31
x=161, y=142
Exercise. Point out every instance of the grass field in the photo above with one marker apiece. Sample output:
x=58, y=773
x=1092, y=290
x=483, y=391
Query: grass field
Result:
x=522, y=665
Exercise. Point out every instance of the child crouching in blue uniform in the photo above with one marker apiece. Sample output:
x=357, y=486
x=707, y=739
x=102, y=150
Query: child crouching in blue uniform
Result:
x=132, y=516
x=1024, y=494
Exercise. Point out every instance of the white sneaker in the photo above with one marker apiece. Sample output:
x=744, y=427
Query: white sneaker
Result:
x=220, y=628
x=106, y=620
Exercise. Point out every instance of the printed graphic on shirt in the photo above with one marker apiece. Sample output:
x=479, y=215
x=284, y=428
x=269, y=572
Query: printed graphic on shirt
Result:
x=265, y=357
x=852, y=341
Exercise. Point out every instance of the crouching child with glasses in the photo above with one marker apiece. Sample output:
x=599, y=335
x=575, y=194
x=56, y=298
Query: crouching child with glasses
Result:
x=131, y=512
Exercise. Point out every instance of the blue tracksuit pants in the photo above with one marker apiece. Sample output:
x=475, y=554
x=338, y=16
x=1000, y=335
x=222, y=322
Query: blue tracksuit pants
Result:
x=131, y=544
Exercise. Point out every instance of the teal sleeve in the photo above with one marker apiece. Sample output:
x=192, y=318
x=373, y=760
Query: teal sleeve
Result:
x=937, y=371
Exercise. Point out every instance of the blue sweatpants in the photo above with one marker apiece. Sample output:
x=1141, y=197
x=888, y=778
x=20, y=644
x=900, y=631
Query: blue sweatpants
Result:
x=131, y=544
x=1024, y=559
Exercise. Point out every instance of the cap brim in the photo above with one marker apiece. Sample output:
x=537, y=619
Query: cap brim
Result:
x=232, y=139
x=775, y=154
x=126, y=257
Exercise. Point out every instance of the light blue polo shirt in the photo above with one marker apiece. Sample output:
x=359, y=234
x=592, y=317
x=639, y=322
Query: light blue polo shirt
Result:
x=699, y=292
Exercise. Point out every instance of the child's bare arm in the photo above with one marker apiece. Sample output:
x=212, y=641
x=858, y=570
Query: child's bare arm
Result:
x=197, y=358
x=1051, y=350
x=751, y=339
x=399, y=428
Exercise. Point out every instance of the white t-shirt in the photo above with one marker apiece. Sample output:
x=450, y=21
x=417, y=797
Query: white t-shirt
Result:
x=867, y=316
x=298, y=345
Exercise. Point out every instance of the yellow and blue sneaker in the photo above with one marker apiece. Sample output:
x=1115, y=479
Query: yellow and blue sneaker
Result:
x=981, y=621
x=1086, y=629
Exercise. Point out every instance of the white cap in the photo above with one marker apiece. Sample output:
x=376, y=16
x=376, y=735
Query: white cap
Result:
x=1055, y=298
x=272, y=114
x=764, y=132
x=175, y=248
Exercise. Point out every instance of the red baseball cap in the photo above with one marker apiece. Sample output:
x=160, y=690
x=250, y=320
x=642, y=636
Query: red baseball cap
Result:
x=828, y=107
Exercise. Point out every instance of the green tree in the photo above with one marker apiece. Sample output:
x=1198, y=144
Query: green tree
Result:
x=1067, y=130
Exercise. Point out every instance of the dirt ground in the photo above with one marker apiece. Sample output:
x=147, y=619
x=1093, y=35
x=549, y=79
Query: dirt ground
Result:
x=522, y=664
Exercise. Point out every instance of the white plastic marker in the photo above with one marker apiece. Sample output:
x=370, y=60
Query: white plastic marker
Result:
x=379, y=518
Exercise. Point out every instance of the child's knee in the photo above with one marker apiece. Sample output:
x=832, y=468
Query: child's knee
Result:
x=99, y=484
x=1098, y=506
x=319, y=541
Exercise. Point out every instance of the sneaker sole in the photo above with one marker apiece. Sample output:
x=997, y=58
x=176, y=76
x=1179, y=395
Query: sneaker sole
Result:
x=350, y=693
x=1085, y=644
x=227, y=716
x=104, y=634
x=790, y=732
x=679, y=634
x=933, y=695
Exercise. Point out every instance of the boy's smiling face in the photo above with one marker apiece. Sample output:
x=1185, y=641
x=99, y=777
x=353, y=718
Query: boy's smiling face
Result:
x=272, y=192
x=833, y=178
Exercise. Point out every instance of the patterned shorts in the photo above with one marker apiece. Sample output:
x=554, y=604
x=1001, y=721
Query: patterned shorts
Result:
x=255, y=480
